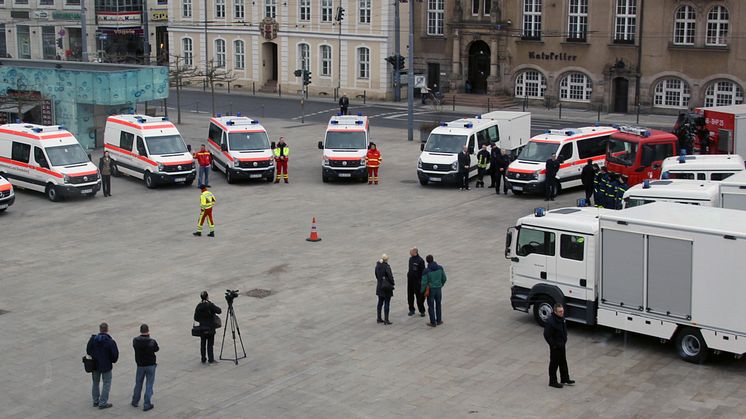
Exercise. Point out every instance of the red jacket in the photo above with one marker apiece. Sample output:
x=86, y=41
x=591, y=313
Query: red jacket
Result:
x=203, y=158
x=373, y=158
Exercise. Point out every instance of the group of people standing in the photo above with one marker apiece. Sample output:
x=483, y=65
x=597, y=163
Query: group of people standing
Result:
x=606, y=189
x=490, y=162
x=425, y=281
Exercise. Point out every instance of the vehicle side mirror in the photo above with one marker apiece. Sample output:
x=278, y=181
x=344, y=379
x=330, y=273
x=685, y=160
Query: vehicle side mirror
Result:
x=224, y=146
x=272, y=145
x=656, y=166
x=422, y=147
x=189, y=148
x=508, y=242
x=321, y=145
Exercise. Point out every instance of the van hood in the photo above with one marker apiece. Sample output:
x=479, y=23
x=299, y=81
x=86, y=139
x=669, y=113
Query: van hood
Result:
x=438, y=158
x=252, y=155
x=82, y=169
x=171, y=159
x=333, y=154
x=5, y=185
x=526, y=166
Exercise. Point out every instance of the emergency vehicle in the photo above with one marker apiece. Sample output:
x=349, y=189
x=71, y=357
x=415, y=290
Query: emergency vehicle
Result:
x=240, y=148
x=47, y=159
x=733, y=191
x=638, y=152
x=148, y=148
x=666, y=270
x=7, y=196
x=727, y=128
x=344, y=148
x=692, y=192
x=702, y=166
x=513, y=130
x=573, y=146
x=438, y=162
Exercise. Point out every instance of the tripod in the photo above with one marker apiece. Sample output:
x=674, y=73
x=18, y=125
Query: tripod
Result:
x=230, y=318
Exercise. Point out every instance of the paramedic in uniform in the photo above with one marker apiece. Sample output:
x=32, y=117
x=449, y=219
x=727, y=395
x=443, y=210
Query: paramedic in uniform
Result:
x=207, y=201
x=282, y=154
x=373, y=160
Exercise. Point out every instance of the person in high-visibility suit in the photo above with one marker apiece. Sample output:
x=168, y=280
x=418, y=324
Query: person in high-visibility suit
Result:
x=207, y=201
x=373, y=161
x=483, y=162
x=282, y=154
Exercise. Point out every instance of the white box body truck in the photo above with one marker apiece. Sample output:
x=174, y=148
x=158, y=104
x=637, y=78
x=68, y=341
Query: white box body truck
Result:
x=514, y=129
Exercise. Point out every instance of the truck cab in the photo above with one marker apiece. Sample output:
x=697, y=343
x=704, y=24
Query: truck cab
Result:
x=240, y=148
x=691, y=192
x=638, y=153
x=714, y=167
x=344, y=148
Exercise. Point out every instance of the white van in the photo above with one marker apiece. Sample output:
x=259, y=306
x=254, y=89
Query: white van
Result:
x=701, y=166
x=7, y=196
x=47, y=159
x=438, y=162
x=692, y=192
x=573, y=146
x=240, y=148
x=345, y=146
x=148, y=148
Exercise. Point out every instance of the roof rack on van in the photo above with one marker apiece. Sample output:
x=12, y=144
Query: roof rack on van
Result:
x=641, y=132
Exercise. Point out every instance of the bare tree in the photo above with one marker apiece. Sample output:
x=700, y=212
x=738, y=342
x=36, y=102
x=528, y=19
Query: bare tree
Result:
x=179, y=73
x=217, y=74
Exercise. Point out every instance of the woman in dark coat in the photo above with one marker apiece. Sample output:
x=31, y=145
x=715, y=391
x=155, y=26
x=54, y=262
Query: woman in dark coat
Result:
x=384, y=287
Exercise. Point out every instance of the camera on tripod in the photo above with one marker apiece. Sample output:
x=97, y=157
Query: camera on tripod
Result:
x=230, y=295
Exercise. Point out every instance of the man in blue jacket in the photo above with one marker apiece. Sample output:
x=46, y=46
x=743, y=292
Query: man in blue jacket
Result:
x=104, y=352
x=433, y=280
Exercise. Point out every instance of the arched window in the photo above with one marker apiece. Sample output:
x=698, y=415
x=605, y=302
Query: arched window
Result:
x=671, y=93
x=304, y=57
x=325, y=53
x=187, y=50
x=220, y=53
x=684, y=24
x=530, y=84
x=723, y=93
x=363, y=62
x=575, y=87
x=239, y=53
x=717, y=26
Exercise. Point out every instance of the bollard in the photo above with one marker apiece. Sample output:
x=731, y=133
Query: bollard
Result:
x=638, y=114
x=488, y=104
x=165, y=108
x=453, y=102
x=253, y=88
x=364, y=96
x=230, y=108
x=598, y=119
x=262, y=111
x=560, y=110
x=279, y=90
x=196, y=107
x=525, y=102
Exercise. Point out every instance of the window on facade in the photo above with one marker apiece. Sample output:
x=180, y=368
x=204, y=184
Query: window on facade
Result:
x=363, y=61
x=46, y=2
x=723, y=93
x=475, y=7
x=325, y=52
x=239, y=11
x=304, y=10
x=188, y=51
x=435, y=13
x=239, y=55
x=487, y=7
x=530, y=84
x=72, y=2
x=186, y=8
x=531, y=19
x=717, y=26
x=683, y=33
x=22, y=2
x=220, y=9
x=48, y=42
x=326, y=10
x=304, y=57
x=625, y=22
x=3, y=44
x=671, y=93
x=220, y=53
x=577, y=20
x=575, y=87
x=364, y=11
x=270, y=8
x=23, y=36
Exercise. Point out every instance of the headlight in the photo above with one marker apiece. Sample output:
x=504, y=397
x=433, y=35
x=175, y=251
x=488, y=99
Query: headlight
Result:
x=66, y=179
x=271, y=162
x=454, y=166
x=536, y=174
x=419, y=163
x=161, y=167
x=326, y=161
x=362, y=162
x=236, y=163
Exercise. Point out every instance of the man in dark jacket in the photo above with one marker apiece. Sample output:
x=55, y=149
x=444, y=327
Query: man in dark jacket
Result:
x=550, y=183
x=104, y=165
x=464, y=164
x=384, y=288
x=344, y=103
x=600, y=184
x=205, y=313
x=588, y=176
x=502, y=161
x=433, y=280
x=145, y=349
x=103, y=349
x=414, y=280
x=555, y=333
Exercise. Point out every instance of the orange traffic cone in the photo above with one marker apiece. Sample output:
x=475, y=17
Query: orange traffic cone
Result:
x=314, y=234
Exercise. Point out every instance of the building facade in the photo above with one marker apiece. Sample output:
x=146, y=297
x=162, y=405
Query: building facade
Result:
x=664, y=54
x=261, y=43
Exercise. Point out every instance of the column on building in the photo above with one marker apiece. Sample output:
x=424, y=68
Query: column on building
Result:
x=494, y=77
x=456, y=61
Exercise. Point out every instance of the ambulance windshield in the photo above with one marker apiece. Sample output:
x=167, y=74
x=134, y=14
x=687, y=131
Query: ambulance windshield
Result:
x=445, y=143
x=248, y=141
x=621, y=152
x=345, y=140
x=166, y=144
x=66, y=155
x=538, y=151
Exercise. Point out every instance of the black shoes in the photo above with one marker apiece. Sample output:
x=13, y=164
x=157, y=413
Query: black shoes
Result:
x=422, y=314
x=212, y=234
x=105, y=406
x=214, y=361
x=411, y=313
x=386, y=322
x=568, y=382
x=379, y=320
x=133, y=404
x=147, y=407
x=197, y=233
x=555, y=385
x=432, y=324
x=439, y=323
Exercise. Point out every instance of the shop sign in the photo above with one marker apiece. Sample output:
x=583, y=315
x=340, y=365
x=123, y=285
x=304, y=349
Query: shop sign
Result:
x=159, y=16
x=41, y=14
x=118, y=19
x=551, y=56
x=60, y=15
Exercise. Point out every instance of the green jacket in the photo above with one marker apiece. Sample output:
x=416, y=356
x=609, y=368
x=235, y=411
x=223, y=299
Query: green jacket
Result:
x=434, y=277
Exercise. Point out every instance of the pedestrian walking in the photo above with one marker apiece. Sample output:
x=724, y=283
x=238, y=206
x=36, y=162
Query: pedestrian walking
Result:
x=373, y=161
x=483, y=163
x=502, y=161
x=103, y=349
x=555, y=333
x=587, y=177
x=207, y=201
x=204, y=160
x=344, y=103
x=282, y=155
x=205, y=313
x=464, y=164
x=145, y=349
x=550, y=183
x=104, y=165
x=384, y=288
x=414, y=282
x=433, y=280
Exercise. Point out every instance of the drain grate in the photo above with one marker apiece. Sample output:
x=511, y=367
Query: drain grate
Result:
x=258, y=293
x=4, y=312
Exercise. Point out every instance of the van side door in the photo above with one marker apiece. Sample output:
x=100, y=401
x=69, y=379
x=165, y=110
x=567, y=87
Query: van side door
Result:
x=126, y=141
x=141, y=150
x=472, y=152
x=568, y=171
x=21, y=153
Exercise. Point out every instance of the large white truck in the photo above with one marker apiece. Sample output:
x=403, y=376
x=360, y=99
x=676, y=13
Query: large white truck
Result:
x=514, y=129
x=733, y=191
x=666, y=270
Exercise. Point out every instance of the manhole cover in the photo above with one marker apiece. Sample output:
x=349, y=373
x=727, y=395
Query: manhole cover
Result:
x=258, y=293
x=408, y=181
x=4, y=312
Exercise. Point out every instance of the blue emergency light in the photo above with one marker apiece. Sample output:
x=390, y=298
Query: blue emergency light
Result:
x=238, y=114
x=615, y=126
x=359, y=114
x=582, y=202
x=540, y=212
x=646, y=183
x=62, y=127
x=230, y=123
x=359, y=122
x=478, y=117
x=443, y=124
x=18, y=120
x=468, y=125
x=165, y=118
x=140, y=120
x=220, y=115
x=665, y=175
x=682, y=156
x=334, y=122
x=254, y=121
x=37, y=130
x=339, y=113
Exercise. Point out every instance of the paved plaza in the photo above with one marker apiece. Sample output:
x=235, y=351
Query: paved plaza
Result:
x=314, y=348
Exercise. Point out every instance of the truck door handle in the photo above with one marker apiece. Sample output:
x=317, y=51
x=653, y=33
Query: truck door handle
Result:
x=543, y=275
x=515, y=259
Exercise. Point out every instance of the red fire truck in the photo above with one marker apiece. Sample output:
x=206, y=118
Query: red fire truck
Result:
x=727, y=129
x=638, y=152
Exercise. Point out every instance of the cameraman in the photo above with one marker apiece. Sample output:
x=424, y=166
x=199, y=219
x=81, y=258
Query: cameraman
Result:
x=205, y=313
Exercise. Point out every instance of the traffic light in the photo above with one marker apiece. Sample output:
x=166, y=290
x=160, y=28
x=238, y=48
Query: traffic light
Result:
x=396, y=61
x=306, y=77
x=298, y=73
x=340, y=14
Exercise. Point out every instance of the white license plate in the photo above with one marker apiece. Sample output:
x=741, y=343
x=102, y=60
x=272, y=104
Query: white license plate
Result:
x=435, y=179
x=345, y=175
x=86, y=191
x=256, y=176
x=180, y=179
x=3, y=206
x=517, y=188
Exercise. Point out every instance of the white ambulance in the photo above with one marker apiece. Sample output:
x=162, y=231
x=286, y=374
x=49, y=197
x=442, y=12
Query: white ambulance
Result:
x=438, y=162
x=240, y=148
x=691, y=192
x=47, y=159
x=702, y=166
x=573, y=146
x=344, y=148
x=7, y=196
x=148, y=148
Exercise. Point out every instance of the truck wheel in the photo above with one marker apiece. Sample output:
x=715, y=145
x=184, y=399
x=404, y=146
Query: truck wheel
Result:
x=423, y=182
x=543, y=309
x=52, y=193
x=213, y=164
x=516, y=192
x=189, y=182
x=324, y=178
x=691, y=346
x=228, y=176
x=114, y=170
x=149, y=180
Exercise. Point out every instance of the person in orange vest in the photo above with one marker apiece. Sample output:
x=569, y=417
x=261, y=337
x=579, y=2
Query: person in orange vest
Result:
x=282, y=154
x=207, y=201
x=204, y=159
x=373, y=161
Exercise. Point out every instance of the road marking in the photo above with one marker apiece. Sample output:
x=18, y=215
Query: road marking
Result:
x=317, y=113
